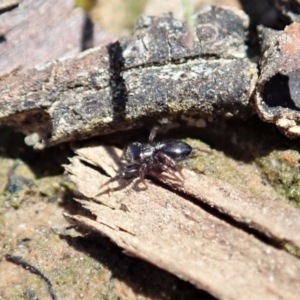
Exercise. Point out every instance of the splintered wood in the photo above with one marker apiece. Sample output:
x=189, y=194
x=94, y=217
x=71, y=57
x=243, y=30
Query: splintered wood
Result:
x=164, y=227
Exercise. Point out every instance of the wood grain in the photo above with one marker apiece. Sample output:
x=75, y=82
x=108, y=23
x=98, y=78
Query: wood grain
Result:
x=172, y=232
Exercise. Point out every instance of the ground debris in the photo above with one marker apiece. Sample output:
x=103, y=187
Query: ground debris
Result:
x=170, y=231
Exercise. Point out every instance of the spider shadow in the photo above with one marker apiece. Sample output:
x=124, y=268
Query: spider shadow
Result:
x=139, y=185
x=124, y=183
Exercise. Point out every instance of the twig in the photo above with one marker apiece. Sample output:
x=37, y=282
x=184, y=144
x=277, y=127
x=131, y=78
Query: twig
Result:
x=18, y=260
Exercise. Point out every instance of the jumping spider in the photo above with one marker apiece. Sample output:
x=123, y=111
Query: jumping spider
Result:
x=153, y=157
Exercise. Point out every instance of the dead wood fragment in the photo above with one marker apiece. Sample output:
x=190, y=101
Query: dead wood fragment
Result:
x=175, y=234
x=33, y=32
x=276, y=219
x=278, y=89
x=136, y=81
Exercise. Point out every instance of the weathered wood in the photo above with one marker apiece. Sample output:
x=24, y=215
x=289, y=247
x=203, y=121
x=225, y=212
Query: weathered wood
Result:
x=34, y=32
x=277, y=94
x=136, y=81
x=171, y=232
x=276, y=219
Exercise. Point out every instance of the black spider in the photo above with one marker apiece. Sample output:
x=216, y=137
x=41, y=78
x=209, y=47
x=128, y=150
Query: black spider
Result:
x=153, y=157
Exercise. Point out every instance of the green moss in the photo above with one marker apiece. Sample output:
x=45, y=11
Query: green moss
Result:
x=15, y=202
x=281, y=170
x=90, y=273
x=85, y=4
x=116, y=16
x=57, y=186
x=292, y=250
x=218, y=165
x=133, y=11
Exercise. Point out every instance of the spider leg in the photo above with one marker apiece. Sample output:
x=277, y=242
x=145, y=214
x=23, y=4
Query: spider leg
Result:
x=168, y=169
x=130, y=171
x=142, y=173
x=153, y=133
x=168, y=161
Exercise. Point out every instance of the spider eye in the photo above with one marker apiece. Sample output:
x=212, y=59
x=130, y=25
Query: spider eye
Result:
x=132, y=151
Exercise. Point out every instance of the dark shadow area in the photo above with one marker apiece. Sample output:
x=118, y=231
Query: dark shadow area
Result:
x=239, y=139
x=119, y=139
x=277, y=92
x=87, y=40
x=260, y=13
x=142, y=277
x=8, y=7
x=294, y=87
x=242, y=140
x=43, y=163
x=2, y=39
x=294, y=7
x=35, y=121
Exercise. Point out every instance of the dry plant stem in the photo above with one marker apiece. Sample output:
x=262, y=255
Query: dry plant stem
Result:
x=164, y=228
x=19, y=261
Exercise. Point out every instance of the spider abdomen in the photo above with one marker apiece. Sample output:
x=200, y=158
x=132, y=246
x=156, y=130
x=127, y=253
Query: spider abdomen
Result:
x=176, y=150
